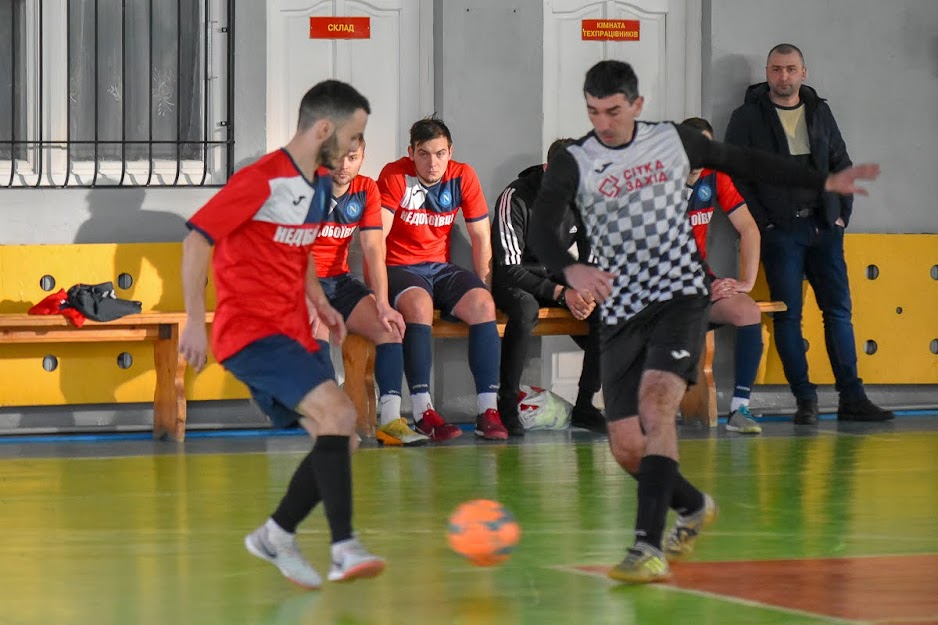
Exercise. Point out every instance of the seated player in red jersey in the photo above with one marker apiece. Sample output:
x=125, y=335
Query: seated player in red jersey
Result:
x=257, y=232
x=731, y=301
x=422, y=194
x=355, y=202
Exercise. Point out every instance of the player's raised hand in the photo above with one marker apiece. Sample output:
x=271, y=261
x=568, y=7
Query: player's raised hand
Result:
x=845, y=182
x=589, y=281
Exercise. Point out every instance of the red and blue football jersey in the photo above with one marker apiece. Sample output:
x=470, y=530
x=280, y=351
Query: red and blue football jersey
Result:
x=424, y=216
x=360, y=207
x=712, y=185
x=263, y=224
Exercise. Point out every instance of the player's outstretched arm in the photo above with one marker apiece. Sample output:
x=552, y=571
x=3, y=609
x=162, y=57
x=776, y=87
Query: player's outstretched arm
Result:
x=761, y=166
x=373, y=250
x=480, y=235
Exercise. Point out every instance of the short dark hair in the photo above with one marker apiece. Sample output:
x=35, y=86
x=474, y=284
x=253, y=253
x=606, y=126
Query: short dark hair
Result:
x=427, y=129
x=332, y=99
x=557, y=146
x=784, y=48
x=609, y=77
x=698, y=123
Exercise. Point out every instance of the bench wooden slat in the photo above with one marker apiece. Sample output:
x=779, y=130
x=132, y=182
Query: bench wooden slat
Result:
x=118, y=335
x=699, y=403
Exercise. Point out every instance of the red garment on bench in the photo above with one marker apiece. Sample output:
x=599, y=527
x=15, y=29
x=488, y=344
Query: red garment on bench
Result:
x=53, y=305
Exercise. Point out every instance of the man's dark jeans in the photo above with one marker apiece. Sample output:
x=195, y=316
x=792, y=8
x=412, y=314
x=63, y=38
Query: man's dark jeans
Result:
x=815, y=251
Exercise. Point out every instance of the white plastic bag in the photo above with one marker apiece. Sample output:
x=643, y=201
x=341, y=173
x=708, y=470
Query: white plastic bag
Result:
x=539, y=409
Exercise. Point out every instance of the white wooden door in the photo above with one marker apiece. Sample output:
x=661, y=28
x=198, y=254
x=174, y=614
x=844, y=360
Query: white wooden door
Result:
x=666, y=59
x=393, y=68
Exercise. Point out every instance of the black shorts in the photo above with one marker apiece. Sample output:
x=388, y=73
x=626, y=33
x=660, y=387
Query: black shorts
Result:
x=344, y=292
x=665, y=336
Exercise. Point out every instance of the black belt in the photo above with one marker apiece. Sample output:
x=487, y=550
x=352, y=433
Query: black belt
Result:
x=805, y=212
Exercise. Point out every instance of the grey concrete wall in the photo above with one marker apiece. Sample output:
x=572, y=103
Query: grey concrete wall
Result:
x=877, y=65
x=488, y=74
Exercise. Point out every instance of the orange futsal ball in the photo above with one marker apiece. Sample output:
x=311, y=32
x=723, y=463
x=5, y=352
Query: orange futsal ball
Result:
x=483, y=532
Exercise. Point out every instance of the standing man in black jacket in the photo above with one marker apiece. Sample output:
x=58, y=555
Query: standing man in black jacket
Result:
x=803, y=230
x=521, y=284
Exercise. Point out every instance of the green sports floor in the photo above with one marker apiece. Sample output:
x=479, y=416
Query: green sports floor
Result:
x=837, y=524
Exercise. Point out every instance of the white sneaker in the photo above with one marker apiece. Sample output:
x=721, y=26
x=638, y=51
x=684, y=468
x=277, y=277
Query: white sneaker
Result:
x=270, y=542
x=350, y=560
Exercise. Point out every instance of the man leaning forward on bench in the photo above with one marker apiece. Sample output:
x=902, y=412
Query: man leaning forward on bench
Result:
x=422, y=193
x=522, y=284
x=355, y=201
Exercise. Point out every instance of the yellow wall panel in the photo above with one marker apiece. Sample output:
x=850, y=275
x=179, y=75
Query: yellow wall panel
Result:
x=154, y=267
x=898, y=310
x=88, y=373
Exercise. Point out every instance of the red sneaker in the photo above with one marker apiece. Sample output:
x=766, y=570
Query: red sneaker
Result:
x=489, y=426
x=433, y=425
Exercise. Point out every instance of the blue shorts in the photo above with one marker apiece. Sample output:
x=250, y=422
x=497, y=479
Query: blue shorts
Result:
x=344, y=292
x=445, y=282
x=279, y=372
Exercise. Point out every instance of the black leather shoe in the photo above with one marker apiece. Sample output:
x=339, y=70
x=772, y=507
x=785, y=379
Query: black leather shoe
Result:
x=806, y=414
x=590, y=418
x=510, y=419
x=862, y=410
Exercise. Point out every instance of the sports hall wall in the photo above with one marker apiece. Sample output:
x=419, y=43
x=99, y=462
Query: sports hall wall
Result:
x=876, y=63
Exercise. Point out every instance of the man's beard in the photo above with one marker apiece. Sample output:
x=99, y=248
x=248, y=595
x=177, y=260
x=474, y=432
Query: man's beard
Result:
x=329, y=152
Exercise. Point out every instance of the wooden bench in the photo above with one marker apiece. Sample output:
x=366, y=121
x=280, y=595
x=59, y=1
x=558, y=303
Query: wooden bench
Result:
x=358, y=356
x=160, y=328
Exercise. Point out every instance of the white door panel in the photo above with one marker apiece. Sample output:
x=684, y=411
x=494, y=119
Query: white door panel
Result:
x=666, y=60
x=392, y=68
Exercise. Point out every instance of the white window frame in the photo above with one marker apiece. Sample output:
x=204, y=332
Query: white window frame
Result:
x=46, y=166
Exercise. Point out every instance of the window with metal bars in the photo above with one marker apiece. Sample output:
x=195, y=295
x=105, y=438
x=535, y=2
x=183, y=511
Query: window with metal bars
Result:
x=115, y=92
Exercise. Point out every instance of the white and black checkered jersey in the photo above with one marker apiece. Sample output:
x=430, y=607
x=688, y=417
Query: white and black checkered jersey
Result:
x=631, y=202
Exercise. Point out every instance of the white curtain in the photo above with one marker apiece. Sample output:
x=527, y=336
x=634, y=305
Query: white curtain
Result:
x=152, y=89
x=12, y=101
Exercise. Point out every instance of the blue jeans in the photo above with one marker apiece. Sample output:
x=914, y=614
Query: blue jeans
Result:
x=815, y=251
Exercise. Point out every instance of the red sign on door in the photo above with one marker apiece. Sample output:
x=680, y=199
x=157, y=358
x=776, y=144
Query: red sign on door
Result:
x=340, y=28
x=610, y=30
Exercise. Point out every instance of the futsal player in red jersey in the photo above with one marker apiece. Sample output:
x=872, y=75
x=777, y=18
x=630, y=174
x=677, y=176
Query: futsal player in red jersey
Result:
x=730, y=300
x=356, y=203
x=422, y=193
x=258, y=232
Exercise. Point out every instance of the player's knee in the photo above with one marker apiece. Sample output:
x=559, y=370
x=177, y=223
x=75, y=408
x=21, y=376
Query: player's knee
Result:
x=379, y=335
x=628, y=453
x=479, y=306
x=416, y=306
x=746, y=313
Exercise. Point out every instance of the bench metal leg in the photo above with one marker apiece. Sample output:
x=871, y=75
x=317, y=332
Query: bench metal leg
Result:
x=700, y=401
x=169, y=401
x=358, y=356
